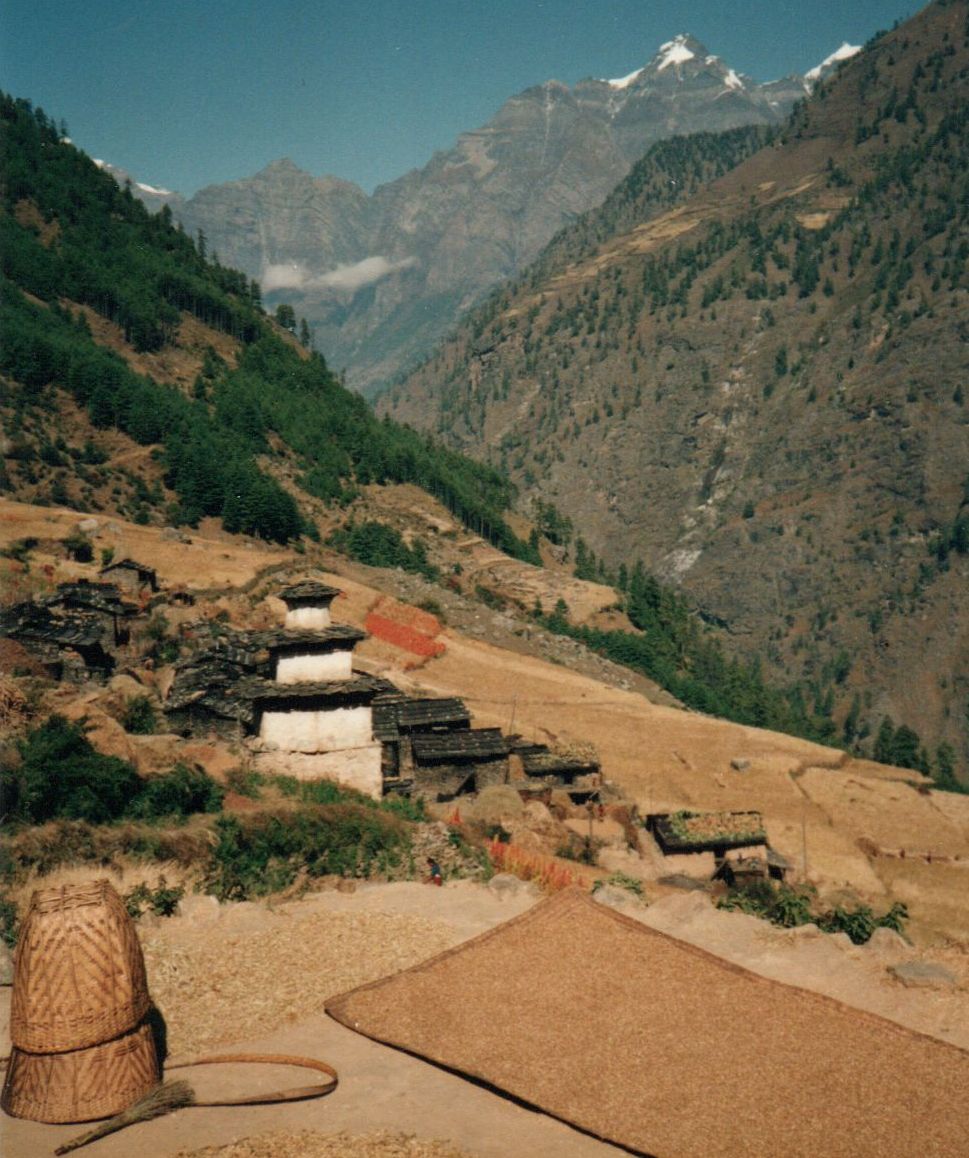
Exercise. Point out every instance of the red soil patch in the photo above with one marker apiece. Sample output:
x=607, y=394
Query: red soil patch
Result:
x=402, y=636
x=422, y=621
x=407, y=628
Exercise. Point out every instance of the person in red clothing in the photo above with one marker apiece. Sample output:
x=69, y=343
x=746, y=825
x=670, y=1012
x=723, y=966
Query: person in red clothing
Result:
x=434, y=872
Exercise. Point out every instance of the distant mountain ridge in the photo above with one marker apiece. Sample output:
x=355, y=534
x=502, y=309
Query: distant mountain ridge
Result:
x=382, y=278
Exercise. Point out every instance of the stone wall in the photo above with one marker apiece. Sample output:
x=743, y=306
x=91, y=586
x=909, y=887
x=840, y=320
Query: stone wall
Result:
x=334, y=729
x=357, y=768
x=307, y=667
x=307, y=618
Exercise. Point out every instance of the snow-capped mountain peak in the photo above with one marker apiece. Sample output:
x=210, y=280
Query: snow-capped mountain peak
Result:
x=155, y=192
x=140, y=188
x=675, y=51
x=845, y=52
x=625, y=81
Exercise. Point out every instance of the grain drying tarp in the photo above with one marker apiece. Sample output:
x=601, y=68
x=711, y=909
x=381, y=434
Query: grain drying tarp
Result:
x=663, y=1048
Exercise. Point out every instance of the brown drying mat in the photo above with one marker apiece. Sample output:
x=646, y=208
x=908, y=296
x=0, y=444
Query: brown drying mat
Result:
x=661, y=1047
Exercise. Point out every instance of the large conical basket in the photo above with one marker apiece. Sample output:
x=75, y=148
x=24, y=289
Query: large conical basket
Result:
x=81, y=1085
x=79, y=973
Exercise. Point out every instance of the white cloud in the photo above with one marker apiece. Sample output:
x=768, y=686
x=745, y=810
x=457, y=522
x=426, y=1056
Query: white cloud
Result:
x=292, y=275
x=283, y=276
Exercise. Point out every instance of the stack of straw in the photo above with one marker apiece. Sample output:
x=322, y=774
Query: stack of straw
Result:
x=82, y=1047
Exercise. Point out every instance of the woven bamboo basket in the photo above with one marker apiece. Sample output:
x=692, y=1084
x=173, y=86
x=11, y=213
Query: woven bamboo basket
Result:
x=83, y=1084
x=79, y=973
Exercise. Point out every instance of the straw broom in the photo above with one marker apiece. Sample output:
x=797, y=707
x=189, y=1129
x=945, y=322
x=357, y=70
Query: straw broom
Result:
x=163, y=1099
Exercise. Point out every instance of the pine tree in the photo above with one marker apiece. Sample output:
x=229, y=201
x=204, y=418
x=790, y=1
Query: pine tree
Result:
x=884, y=749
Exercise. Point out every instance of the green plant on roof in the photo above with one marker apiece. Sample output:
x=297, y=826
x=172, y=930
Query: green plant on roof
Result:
x=620, y=881
x=711, y=827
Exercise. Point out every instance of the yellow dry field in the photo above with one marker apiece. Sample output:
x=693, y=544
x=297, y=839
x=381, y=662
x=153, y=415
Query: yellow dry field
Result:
x=893, y=816
x=665, y=759
x=937, y=897
x=211, y=559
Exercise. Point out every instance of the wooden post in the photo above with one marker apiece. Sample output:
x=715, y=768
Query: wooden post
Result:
x=803, y=834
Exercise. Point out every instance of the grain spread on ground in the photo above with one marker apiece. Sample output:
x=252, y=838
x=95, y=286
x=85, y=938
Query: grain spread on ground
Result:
x=309, y=1144
x=658, y=1046
x=225, y=982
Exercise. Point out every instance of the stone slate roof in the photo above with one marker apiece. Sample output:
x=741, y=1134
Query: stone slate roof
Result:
x=146, y=573
x=419, y=715
x=523, y=747
x=104, y=597
x=397, y=713
x=472, y=746
x=32, y=622
x=712, y=830
x=270, y=696
x=777, y=859
x=214, y=686
x=234, y=649
x=308, y=594
x=556, y=764
x=336, y=637
x=223, y=681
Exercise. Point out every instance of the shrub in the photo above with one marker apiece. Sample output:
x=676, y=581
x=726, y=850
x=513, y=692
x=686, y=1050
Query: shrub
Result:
x=9, y=922
x=788, y=907
x=262, y=853
x=406, y=807
x=61, y=775
x=139, y=716
x=20, y=550
x=330, y=792
x=43, y=848
x=181, y=792
x=79, y=547
x=245, y=781
x=161, y=900
x=621, y=881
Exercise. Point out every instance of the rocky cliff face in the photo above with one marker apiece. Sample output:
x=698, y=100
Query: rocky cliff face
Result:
x=761, y=390
x=382, y=278
x=267, y=224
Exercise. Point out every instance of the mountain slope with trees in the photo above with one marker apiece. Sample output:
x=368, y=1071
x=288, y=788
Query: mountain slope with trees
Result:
x=71, y=238
x=761, y=391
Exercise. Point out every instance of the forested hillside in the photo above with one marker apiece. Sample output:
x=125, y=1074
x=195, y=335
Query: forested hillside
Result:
x=70, y=238
x=761, y=390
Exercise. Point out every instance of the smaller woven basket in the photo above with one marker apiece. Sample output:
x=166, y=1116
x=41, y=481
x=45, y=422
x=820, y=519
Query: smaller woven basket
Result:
x=84, y=1084
x=79, y=973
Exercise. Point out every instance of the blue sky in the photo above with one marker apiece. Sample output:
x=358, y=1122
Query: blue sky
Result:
x=190, y=92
